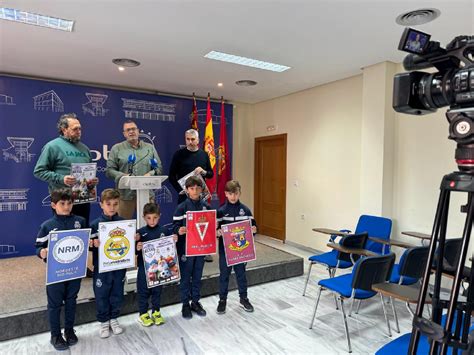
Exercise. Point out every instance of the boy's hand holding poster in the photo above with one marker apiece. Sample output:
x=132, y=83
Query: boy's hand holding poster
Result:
x=117, y=245
x=205, y=190
x=161, y=261
x=201, y=233
x=238, y=241
x=84, y=190
x=67, y=255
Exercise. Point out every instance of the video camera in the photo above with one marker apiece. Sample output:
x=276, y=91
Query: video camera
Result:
x=420, y=93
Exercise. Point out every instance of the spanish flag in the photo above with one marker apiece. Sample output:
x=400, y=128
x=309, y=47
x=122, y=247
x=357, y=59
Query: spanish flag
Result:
x=223, y=165
x=209, y=146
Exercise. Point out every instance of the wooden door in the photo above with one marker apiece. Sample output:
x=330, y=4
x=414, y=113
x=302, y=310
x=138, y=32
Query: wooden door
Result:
x=270, y=185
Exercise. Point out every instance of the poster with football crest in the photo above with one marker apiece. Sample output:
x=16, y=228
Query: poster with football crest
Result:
x=161, y=262
x=201, y=233
x=117, y=245
x=84, y=190
x=239, y=245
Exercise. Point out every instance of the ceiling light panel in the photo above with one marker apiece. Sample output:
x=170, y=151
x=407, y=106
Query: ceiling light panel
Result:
x=35, y=19
x=249, y=62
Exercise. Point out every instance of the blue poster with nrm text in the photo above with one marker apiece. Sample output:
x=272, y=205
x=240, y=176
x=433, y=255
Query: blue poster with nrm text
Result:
x=67, y=255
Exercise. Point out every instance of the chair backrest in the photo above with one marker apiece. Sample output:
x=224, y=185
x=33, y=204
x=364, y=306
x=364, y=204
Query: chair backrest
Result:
x=372, y=270
x=352, y=241
x=413, y=262
x=378, y=227
x=452, y=252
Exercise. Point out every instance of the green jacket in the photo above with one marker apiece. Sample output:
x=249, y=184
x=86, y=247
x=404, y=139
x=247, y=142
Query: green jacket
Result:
x=56, y=158
x=117, y=163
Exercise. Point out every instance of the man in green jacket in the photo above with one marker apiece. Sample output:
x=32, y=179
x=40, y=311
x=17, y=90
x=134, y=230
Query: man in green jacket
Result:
x=119, y=163
x=54, y=163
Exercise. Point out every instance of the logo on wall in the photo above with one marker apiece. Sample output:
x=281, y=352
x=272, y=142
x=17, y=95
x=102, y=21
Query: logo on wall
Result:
x=7, y=249
x=163, y=195
x=148, y=110
x=202, y=113
x=12, y=200
x=95, y=105
x=18, y=150
x=6, y=100
x=48, y=101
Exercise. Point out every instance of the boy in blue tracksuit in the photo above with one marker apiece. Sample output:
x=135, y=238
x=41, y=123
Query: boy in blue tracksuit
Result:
x=152, y=230
x=232, y=211
x=108, y=286
x=191, y=266
x=66, y=291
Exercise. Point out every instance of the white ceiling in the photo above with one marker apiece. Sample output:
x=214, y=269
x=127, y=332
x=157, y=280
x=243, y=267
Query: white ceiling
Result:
x=322, y=41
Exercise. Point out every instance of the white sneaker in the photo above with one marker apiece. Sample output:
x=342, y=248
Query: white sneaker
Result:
x=116, y=328
x=104, y=330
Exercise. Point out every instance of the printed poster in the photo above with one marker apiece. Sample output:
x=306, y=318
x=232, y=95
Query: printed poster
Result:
x=117, y=245
x=201, y=233
x=161, y=261
x=239, y=245
x=84, y=190
x=206, y=194
x=67, y=255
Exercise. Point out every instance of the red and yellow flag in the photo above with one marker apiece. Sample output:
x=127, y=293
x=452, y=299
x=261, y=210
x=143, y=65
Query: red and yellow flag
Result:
x=209, y=146
x=223, y=165
x=194, y=115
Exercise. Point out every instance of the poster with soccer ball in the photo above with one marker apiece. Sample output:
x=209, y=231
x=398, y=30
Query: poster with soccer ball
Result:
x=161, y=262
x=201, y=233
x=117, y=245
x=84, y=190
x=239, y=246
x=67, y=255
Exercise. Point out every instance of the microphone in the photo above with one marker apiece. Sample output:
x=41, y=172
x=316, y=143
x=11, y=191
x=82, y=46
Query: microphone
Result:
x=131, y=162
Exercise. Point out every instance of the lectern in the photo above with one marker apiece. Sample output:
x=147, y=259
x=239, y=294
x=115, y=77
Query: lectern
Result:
x=142, y=185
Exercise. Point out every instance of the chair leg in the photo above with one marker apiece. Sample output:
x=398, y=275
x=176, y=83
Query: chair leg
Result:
x=315, y=307
x=392, y=301
x=358, y=306
x=352, y=302
x=346, y=327
x=332, y=272
x=307, y=278
x=385, y=314
x=409, y=309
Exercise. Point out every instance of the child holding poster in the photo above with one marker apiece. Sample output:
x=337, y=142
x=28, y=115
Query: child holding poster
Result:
x=152, y=230
x=108, y=286
x=232, y=211
x=66, y=291
x=191, y=266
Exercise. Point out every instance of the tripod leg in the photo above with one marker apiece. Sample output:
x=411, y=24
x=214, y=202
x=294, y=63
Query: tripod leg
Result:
x=442, y=201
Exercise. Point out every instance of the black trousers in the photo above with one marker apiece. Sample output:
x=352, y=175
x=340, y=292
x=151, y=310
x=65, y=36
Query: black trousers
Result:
x=59, y=294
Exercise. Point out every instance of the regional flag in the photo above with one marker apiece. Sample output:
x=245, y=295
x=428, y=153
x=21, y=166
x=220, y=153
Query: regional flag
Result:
x=223, y=163
x=194, y=115
x=209, y=146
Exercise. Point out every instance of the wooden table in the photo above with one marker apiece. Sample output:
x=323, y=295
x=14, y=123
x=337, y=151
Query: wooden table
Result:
x=397, y=243
x=418, y=235
x=406, y=293
x=330, y=231
x=349, y=250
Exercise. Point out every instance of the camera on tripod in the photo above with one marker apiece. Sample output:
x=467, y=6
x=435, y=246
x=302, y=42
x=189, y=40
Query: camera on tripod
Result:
x=420, y=93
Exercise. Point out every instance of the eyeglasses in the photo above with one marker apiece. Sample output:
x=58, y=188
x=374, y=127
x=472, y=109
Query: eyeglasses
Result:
x=131, y=129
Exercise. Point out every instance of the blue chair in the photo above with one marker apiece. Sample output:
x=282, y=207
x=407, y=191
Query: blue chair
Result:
x=358, y=285
x=408, y=271
x=378, y=227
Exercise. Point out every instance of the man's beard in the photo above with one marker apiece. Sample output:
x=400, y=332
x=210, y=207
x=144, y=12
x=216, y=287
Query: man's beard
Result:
x=192, y=149
x=74, y=139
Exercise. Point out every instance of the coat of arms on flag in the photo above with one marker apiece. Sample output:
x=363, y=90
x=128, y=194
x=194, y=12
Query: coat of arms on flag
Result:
x=201, y=233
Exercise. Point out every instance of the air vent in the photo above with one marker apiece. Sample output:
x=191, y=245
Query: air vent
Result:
x=418, y=17
x=246, y=83
x=125, y=62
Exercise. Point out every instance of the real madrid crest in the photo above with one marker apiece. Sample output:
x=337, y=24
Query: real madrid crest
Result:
x=77, y=225
x=117, y=246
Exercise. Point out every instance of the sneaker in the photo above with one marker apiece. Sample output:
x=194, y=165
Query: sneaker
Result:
x=104, y=330
x=116, y=328
x=221, y=306
x=157, y=318
x=208, y=258
x=59, y=343
x=186, y=311
x=145, y=320
x=246, y=305
x=197, y=307
x=70, y=336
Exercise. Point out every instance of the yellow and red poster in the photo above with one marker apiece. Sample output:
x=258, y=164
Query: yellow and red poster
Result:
x=201, y=233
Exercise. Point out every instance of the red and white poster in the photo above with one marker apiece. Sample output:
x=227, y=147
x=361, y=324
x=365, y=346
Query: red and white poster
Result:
x=201, y=233
x=238, y=241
